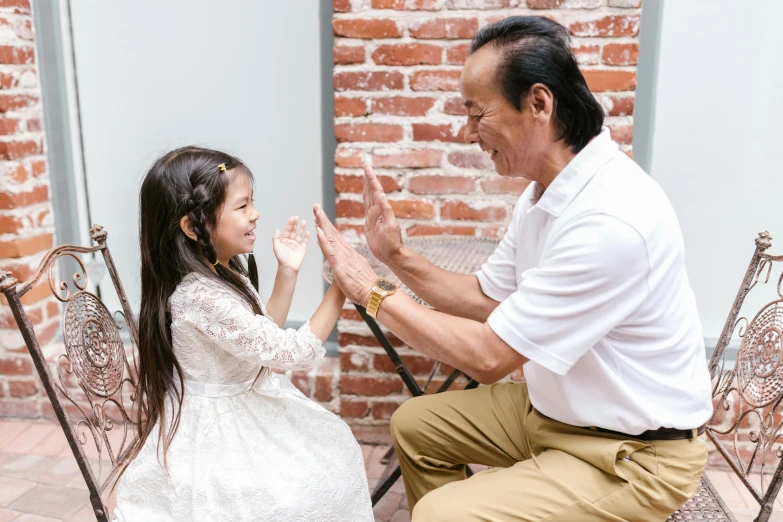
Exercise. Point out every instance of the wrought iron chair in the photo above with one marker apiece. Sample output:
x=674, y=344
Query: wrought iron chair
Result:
x=94, y=375
x=748, y=395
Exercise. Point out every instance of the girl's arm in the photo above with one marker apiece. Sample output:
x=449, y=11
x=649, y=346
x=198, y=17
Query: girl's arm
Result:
x=282, y=293
x=220, y=314
x=323, y=320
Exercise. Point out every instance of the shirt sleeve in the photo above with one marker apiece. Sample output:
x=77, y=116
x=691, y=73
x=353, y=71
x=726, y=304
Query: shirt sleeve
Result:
x=593, y=278
x=221, y=315
x=497, y=276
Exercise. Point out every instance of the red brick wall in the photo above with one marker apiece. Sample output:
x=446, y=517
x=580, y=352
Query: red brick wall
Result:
x=396, y=73
x=26, y=225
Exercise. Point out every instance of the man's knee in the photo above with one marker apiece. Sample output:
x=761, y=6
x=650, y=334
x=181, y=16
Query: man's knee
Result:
x=406, y=420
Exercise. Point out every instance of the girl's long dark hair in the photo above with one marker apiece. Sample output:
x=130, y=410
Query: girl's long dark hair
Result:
x=189, y=181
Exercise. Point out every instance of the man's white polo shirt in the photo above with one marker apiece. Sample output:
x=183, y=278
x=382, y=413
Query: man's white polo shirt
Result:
x=593, y=291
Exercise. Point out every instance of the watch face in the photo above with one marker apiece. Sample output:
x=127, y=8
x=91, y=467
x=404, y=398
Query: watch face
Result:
x=386, y=286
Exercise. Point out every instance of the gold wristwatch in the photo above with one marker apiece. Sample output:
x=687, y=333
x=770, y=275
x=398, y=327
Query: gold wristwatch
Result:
x=380, y=289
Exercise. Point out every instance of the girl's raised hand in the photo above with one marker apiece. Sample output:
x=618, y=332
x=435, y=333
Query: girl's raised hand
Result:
x=291, y=246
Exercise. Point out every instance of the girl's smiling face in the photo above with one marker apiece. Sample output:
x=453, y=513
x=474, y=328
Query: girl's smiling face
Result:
x=234, y=232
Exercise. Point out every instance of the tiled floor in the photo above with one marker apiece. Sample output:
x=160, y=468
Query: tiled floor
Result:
x=39, y=480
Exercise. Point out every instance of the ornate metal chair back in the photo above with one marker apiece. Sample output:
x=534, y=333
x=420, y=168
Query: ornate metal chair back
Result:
x=92, y=384
x=745, y=427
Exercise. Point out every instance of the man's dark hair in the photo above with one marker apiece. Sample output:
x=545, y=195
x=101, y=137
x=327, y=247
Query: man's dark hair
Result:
x=538, y=50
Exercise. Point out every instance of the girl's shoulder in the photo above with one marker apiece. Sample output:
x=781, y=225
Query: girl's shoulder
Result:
x=199, y=291
x=195, y=286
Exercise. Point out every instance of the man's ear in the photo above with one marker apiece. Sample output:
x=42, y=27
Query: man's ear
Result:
x=187, y=227
x=541, y=102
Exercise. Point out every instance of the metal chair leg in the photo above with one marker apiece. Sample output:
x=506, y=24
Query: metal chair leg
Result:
x=392, y=471
x=385, y=484
x=388, y=455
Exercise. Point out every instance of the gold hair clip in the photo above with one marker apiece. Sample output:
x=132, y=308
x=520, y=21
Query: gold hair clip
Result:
x=216, y=262
x=222, y=167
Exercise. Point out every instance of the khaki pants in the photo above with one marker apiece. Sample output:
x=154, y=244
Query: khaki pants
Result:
x=543, y=469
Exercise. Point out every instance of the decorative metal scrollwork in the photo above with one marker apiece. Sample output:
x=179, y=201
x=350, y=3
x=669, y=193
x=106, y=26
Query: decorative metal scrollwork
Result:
x=759, y=368
x=92, y=341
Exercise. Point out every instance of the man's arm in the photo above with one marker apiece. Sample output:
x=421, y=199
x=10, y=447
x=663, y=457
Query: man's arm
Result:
x=449, y=292
x=468, y=345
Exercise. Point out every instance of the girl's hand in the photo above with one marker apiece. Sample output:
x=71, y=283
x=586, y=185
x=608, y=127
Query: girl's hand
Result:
x=290, y=248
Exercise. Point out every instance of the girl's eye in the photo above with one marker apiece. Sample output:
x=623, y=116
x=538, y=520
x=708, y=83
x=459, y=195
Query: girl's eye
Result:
x=243, y=206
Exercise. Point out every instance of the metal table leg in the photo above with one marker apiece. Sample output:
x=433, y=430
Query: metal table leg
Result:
x=392, y=471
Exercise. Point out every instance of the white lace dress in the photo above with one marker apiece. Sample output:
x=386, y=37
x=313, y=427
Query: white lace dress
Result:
x=241, y=454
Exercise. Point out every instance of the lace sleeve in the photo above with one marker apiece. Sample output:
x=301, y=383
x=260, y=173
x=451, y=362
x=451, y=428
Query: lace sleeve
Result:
x=224, y=317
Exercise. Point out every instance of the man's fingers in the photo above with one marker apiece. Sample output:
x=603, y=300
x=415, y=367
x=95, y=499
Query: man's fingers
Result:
x=368, y=173
x=369, y=176
x=319, y=215
x=326, y=246
x=366, y=193
x=322, y=221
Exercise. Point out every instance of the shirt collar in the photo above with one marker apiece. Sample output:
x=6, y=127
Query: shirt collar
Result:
x=573, y=178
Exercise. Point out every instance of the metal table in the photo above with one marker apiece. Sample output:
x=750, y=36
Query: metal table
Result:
x=457, y=254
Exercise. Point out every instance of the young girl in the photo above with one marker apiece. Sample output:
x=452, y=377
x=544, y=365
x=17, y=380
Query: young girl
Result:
x=221, y=436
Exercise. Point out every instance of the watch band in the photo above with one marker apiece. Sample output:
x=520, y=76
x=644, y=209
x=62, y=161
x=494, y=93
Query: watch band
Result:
x=381, y=288
x=374, y=304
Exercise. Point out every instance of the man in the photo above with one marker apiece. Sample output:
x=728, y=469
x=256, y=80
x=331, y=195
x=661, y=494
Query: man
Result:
x=587, y=290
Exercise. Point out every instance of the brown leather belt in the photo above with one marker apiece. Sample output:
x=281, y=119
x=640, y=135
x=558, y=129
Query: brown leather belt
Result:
x=659, y=434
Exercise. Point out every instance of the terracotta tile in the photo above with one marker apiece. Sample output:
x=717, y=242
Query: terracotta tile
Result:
x=726, y=488
x=387, y=506
x=30, y=438
x=85, y=514
x=6, y=515
x=77, y=482
x=374, y=466
x=398, y=487
x=22, y=466
x=747, y=497
x=747, y=514
x=35, y=518
x=12, y=489
x=60, y=473
x=366, y=452
x=401, y=515
x=52, y=445
x=9, y=430
x=51, y=501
